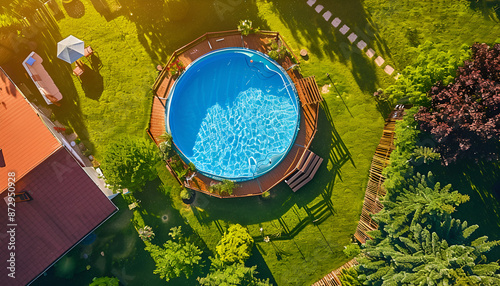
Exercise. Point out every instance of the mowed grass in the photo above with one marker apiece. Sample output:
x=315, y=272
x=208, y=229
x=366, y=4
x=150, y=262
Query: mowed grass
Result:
x=114, y=91
x=405, y=24
x=307, y=229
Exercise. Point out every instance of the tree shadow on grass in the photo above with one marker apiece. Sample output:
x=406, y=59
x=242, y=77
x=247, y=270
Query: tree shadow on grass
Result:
x=306, y=24
x=75, y=9
x=263, y=270
x=384, y=108
x=363, y=71
x=92, y=83
x=162, y=31
x=311, y=31
x=489, y=8
x=160, y=213
x=252, y=210
x=69, y=113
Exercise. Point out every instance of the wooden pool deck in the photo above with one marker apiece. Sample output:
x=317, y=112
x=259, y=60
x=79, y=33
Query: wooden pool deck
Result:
x=308, y=111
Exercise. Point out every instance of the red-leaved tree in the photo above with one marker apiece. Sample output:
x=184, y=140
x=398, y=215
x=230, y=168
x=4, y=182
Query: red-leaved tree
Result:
x=464, y=116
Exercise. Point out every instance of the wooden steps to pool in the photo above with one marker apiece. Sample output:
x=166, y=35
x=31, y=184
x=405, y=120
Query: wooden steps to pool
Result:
x=306, y=169
x=308, y=90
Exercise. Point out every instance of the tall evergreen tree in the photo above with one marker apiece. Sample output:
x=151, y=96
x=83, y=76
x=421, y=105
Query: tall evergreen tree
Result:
x=447, y=257
x=420, y=200
x=419, y=243
x=349, y=277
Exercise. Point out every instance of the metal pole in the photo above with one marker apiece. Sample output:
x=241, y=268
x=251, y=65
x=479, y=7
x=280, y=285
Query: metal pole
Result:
x=328, y=75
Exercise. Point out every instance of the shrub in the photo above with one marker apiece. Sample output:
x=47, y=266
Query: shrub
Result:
x=68, y=130
x=236, y=274
x=236, y=245
x=130, y=163
x=245, y=27
x=166, y=146
x=407, y=134
x=224, y=187
x=186, y=194
x=105, y=281
x=192, y=168
x=276, y=53
x=227, y=187
x=432, y=64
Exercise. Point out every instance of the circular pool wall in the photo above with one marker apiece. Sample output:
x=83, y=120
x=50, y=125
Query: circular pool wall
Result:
x=234, y=113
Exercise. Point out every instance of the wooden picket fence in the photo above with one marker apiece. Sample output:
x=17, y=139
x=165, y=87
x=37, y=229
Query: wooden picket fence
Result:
x=374, y=189
x=332, y=278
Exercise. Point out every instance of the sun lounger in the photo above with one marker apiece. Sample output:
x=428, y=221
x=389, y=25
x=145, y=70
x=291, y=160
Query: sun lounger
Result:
x=42, y=79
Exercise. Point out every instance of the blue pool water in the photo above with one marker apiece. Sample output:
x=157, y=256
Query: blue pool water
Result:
x=234, y=113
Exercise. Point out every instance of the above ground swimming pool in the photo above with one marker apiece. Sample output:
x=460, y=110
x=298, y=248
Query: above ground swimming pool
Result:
x=233, y=113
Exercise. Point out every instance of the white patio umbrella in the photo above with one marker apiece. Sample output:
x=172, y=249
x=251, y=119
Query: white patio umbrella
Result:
x=70, y=49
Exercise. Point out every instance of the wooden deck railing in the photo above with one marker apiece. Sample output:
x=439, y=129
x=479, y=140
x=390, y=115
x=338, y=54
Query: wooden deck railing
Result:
x=206, y=37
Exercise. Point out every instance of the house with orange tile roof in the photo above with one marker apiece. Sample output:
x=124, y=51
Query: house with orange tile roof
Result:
x=49, y=202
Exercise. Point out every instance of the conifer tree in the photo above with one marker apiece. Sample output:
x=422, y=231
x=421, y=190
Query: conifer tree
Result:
x=420, y=199
x=446, y=257
x=419, y=243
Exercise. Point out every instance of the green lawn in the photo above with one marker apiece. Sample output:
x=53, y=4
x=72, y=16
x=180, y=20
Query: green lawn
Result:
x=308, y=229
x=405, y=24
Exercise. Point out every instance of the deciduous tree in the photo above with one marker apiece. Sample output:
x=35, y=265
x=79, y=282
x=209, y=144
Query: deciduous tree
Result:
x=432, y=64
x=176, y=257
x=130, y=163
x=464, y=116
